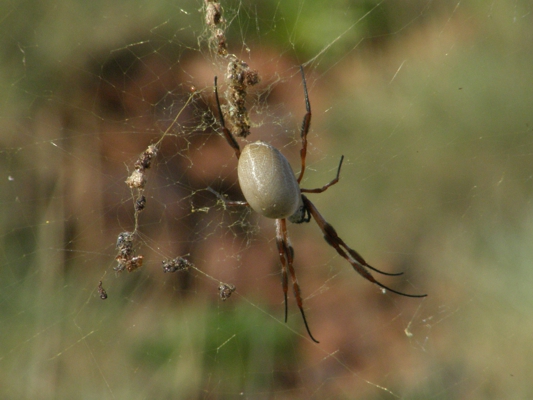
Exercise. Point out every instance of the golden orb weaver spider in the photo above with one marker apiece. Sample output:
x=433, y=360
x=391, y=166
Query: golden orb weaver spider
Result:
x=272, y=190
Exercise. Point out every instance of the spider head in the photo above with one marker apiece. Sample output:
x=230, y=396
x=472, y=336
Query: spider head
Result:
x=301, y=215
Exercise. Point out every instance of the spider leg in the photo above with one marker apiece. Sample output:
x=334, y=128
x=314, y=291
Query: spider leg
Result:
x=327, y=185
x=351, y=251
x=286, y=255
x=354, y=258
x=283, y=251
x=304, y=130
x=227, y=134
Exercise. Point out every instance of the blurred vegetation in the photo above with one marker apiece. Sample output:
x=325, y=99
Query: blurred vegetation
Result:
x=429, y=102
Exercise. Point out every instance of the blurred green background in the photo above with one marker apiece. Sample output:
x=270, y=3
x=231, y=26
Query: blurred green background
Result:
x=429, y=101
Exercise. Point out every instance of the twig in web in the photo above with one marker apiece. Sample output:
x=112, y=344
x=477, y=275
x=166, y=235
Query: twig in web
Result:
x=137, y=179
x=214, y=20
x=239, y=76
x=101, y=291
x=225, y=290
x=126, y=258
x=176, y=264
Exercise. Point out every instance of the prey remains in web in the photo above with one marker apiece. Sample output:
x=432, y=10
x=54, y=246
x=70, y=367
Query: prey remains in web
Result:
x=271, y=189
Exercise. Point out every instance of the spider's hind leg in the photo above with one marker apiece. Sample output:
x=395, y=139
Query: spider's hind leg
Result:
x=286, y=256
x=353, y=257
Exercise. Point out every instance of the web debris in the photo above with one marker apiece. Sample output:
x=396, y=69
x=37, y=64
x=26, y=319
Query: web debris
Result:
x=239, y=76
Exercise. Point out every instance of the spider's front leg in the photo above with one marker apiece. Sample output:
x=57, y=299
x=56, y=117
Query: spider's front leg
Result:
x=304, y=130
x=227, y=134
x=286, y=256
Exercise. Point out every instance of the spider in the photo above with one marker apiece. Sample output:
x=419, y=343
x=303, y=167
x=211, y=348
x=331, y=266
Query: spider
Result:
x=271, y=189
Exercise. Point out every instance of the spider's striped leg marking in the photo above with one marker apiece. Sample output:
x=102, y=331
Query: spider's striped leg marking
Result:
x=354, y=258
x=227, y=134
x=286, y=255
x=306, y=123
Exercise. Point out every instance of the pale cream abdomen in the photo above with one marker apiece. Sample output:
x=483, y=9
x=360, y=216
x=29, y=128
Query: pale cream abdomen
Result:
x=267, y=181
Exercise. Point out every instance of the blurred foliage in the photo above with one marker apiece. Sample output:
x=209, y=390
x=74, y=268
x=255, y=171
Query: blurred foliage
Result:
x=429, y=101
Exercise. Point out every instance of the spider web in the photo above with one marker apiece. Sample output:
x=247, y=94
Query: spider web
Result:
x=429, y=102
